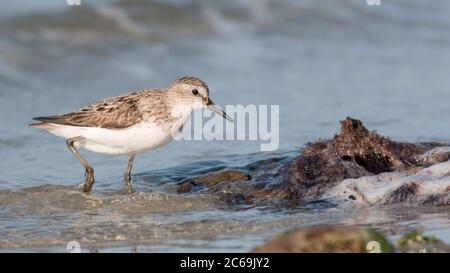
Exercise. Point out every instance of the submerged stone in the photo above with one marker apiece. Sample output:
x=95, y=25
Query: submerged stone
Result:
x=331, y=239
x=416, y=241
x=211, y=179
x=322, y=239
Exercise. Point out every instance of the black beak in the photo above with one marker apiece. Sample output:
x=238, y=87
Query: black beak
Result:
x=210, y=105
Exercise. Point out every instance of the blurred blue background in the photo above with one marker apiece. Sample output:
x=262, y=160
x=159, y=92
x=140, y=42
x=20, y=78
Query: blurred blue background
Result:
x=320, y=61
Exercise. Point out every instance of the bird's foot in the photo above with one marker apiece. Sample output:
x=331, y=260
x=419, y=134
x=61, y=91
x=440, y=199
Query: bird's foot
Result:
x=88, y=181
x=128, y=184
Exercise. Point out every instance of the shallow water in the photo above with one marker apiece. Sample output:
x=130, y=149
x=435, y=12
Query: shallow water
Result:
x=320, y=61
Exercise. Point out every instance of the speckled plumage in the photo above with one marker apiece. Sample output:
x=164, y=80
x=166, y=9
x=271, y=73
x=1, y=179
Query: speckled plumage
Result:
x=124, y=111
x=117, y=112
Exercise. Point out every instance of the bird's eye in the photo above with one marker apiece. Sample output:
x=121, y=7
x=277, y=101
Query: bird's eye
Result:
x=195, y=92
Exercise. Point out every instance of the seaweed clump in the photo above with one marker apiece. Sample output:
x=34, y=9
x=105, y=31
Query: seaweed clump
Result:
x=353, y=153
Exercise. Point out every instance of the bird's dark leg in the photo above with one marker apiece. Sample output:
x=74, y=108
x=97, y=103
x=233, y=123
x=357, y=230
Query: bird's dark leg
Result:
x=89, y=174
x=127, y=175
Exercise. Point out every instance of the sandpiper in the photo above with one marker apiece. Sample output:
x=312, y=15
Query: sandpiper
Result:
x=130, y=124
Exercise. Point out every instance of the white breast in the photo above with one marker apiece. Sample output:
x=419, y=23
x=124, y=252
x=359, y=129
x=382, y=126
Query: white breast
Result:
x=135, y=139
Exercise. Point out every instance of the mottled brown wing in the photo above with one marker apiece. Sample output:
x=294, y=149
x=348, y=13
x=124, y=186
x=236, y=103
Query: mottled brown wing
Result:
x=113, y=113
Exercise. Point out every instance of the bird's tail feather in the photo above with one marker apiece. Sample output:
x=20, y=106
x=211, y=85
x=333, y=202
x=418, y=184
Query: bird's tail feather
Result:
x=43, y=123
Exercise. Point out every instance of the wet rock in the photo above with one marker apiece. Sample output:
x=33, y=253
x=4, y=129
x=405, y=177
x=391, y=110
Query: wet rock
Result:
x=232, y=198
x=185, y=187
x=430, y=187
x=435, y=155
x=440, y=199
x=404, y=193
x=353, y=153
x=327, y=239
x=211, y=179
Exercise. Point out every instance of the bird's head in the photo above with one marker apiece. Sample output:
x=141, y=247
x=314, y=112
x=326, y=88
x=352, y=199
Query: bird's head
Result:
x=192, y=93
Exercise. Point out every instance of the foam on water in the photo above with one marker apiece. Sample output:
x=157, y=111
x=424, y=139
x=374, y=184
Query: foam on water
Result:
x=49, y=199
